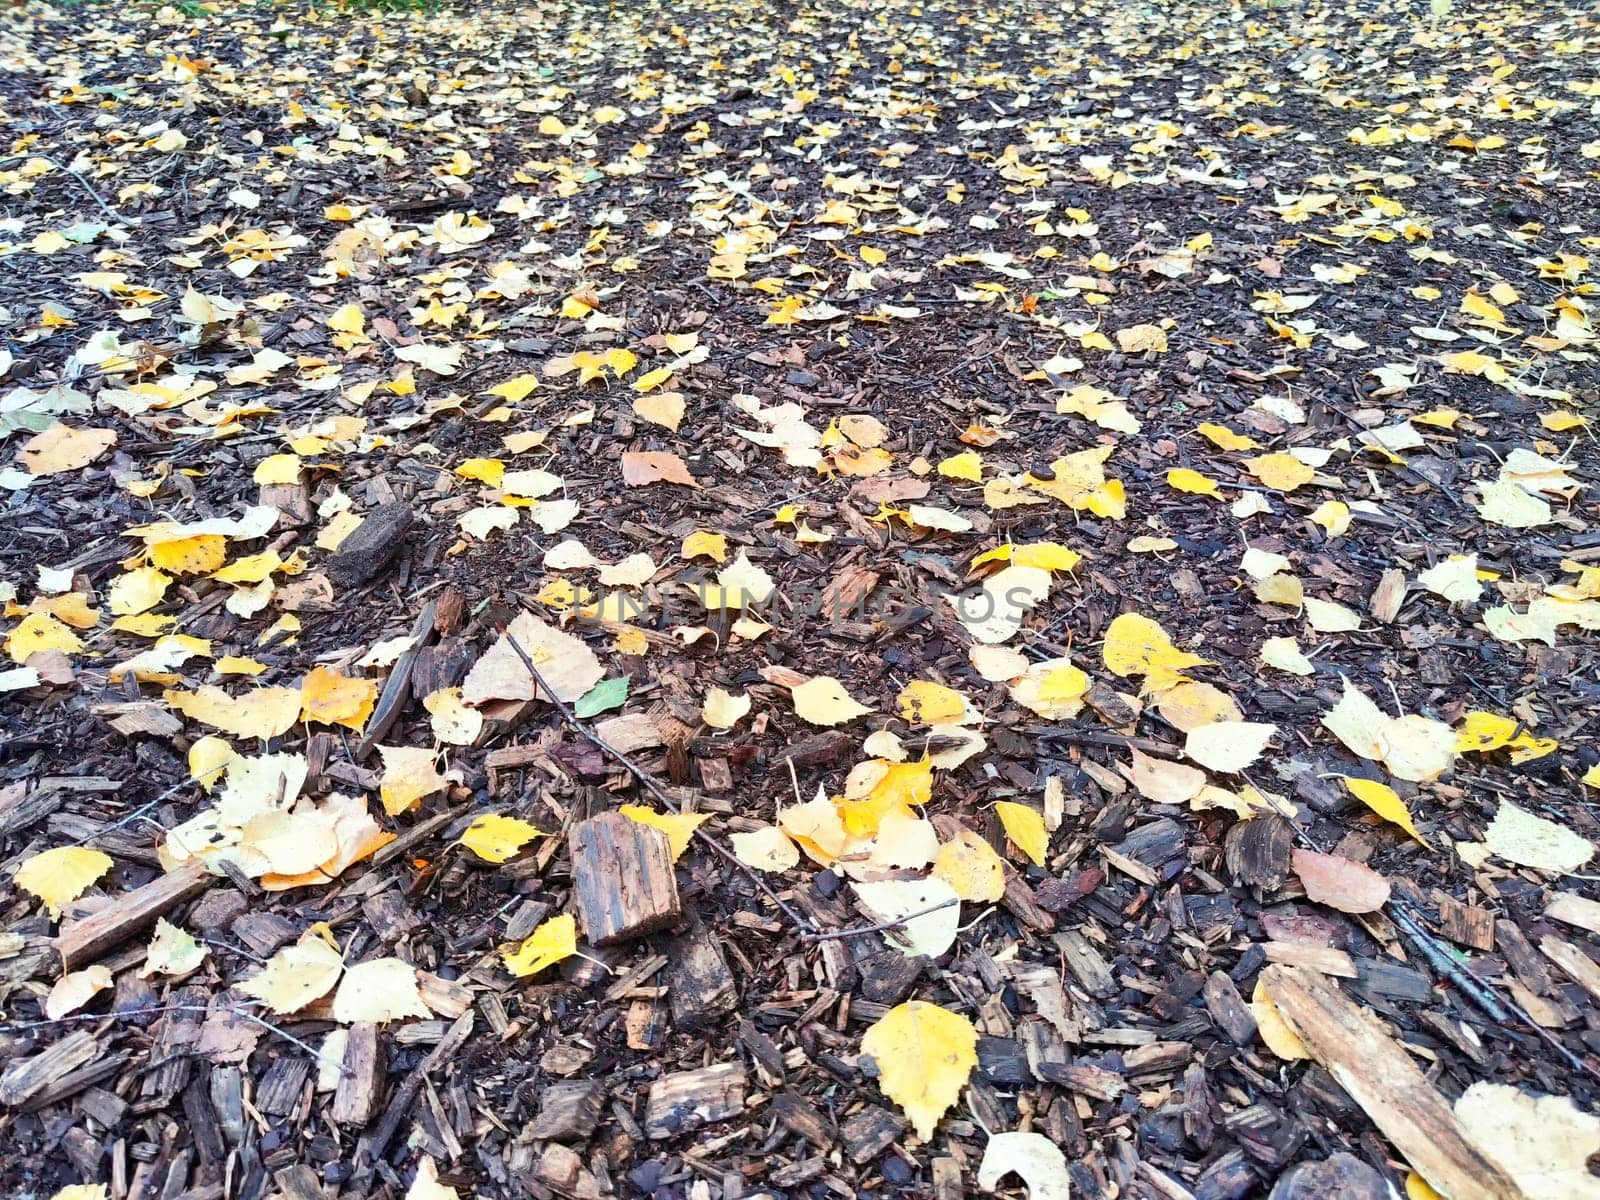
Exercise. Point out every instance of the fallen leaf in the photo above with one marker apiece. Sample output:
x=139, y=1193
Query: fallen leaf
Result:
x=1545, y=1143
x=971, y=867
x=378, y=990
x=766, y=849
x=1340, y=882
x=1385, y=801
x=75, y=989
x=63, y=448
x=334, y=699
x=60, y=876
x=723, y=710
x=565, y=662
x=552, y=942
x=410, y=775
x=1032, y=1157
x=822, y=700
x=925, y=1055
x=172, y=951
x=497, y=839
x=920, y=932
x=299, y=974
x=1228, y=746
x=1530, y=840
x=1025, y=827
x=641, y=467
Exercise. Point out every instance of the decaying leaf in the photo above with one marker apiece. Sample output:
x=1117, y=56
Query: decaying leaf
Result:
x=1340, y=883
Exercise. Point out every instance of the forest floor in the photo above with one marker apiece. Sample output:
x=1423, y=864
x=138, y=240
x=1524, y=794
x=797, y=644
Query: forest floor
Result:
x=1069, y=529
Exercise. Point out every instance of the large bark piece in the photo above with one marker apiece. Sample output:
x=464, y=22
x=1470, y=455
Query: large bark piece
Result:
x=622, y=879
x=128, y=915
x=1380, y=1076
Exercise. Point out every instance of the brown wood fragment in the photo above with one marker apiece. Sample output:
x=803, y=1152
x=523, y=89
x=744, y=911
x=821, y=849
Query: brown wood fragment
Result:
x=562, y=1170
x=1258, y=852
x=1573, y=961
x=701, y=989
x=1465, y=925
x=1388, y=596
x=802, y=1118
x=568, y=1111
x=1325, y=960
x=1530, y=967
x=1571, y=909
x=372, y=546
x=622, y=879
x=870, y=1132
x=26, y=1078
x=360, y=1092
x=687, y=1100
x=947, y=1180
x=1339, y=1177
x=1085, y=964
x=1019, y=898
x=130, y=914
x=1366, y=1060
x=1228, y=1009
x=397, y=688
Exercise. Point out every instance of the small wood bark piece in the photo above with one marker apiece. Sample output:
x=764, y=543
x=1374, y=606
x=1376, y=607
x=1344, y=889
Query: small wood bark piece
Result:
x=360, y=1092
x=568, y=1111
x=687, y=1100
x=1381, y=1077
x=622, y=879
x=128, y=915
x=372, y=545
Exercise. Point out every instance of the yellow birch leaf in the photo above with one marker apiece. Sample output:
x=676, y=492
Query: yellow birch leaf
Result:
x=1025, y=827
x=724, y=710
x=1184, y=480
x=547, y=945
x=1385, y=801
x=334, y=699
x=823, y=701
x=766, y=849
x=409, y=776
x=451, y=720
x=710, y=545
x=497, y=839
x=513, y=390
x=380, y=989
x=925, y=1054
x=1284, y=472
x=60, y=876
x=277, y=469
x=297, y=974
x=679, y=827
x=967, y=465
x=971, y=867
x=262, y=713
x=1224, y=438
x=485, y=470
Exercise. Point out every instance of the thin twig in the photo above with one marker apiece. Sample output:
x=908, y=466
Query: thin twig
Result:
x=882, y=926
x=162, y=1009
x=82, y=182
x=1480, y=993
x=807, y=929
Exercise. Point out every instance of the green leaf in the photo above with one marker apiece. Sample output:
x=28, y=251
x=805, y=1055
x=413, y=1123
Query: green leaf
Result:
x=608, y=693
